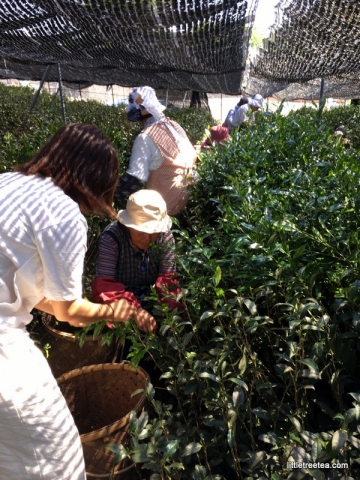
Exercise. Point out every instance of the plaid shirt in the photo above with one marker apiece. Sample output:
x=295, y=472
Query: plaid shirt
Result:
x=118, y=259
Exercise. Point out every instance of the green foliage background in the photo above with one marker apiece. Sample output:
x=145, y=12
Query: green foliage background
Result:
x=348, y=116
x=23, y=133
x=262, y=368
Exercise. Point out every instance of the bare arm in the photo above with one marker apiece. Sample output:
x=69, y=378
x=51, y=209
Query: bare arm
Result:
x=80, y=312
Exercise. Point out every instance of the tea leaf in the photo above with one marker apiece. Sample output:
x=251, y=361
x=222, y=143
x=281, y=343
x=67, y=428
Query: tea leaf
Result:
x=217, y=276
x=191, y=448
x=338, y=440
x=170, y=448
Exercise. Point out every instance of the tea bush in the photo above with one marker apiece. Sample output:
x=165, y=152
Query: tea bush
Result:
x=261, y=371
x=347, y=116
x=24, y=133
x=193, y=120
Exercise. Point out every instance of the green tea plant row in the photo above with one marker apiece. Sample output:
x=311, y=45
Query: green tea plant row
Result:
x=23, y=133
x=262, y=370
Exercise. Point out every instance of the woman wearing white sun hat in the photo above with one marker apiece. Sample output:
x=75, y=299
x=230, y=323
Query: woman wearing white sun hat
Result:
x=137, y=252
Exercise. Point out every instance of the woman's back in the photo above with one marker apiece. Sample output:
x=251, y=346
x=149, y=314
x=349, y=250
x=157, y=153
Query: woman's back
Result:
x=33, y=249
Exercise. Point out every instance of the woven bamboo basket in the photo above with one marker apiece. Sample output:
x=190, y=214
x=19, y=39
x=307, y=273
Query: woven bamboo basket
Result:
x=66, y=354
x=100, y=400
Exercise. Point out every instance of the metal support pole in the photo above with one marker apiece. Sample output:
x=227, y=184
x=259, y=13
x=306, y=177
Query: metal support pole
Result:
x=184, y=99
x=37, y=93
x=221, y=106
x=61, y=94
x=322, y=99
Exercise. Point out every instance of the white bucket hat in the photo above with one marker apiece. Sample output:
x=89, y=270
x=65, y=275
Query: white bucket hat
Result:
x=146, y=212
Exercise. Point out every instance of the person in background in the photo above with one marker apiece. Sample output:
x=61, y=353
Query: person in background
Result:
x=341, y=134
x=43, y=240
x=229, y=116
x=162, y=156
x=218, y=135
x=137, y=252
x=240, y=117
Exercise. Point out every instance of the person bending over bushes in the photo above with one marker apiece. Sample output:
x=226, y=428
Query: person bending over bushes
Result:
x=162, y=156
x=232, y=111
x=243, y=116
x=137, y=252
x=218, y=135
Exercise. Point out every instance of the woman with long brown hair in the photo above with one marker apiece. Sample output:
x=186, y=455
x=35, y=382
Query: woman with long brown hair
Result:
x=43, y=239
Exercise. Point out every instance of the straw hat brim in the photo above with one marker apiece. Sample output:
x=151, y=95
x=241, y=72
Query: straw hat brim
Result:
x=151, y=226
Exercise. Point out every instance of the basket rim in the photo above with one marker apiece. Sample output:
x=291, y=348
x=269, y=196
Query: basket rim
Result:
x=108, y=429
x=59, y=333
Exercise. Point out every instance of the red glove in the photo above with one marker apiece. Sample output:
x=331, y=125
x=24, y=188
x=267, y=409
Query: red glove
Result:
x=107, y=290
x=168, y=286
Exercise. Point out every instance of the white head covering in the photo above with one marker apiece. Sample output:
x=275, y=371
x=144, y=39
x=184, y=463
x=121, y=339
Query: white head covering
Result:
x=146, y=97
x=256, y=101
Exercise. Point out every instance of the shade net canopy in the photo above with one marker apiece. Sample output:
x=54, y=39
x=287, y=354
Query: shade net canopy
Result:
x=197, y=45
x=310, y=40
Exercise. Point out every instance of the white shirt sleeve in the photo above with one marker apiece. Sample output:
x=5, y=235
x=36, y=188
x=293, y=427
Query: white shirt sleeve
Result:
x=240, y=115
x=145, y=156
x=62, y=250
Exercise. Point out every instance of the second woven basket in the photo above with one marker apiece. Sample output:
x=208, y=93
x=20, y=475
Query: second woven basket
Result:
x=100, y=400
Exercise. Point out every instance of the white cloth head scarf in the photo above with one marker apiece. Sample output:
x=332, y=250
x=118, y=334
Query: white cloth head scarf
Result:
x=256, y=101
x=146, y=97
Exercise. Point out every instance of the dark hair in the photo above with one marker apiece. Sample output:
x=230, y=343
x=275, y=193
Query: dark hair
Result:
x=81, y=161
x=146, y=116
x=242, y=101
